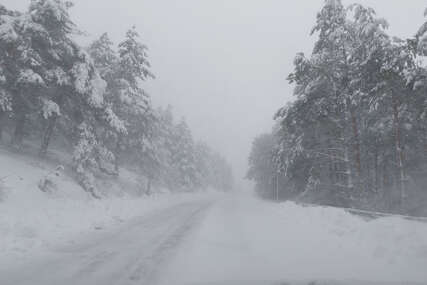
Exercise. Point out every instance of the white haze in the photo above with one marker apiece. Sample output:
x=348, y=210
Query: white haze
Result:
x=223, y=63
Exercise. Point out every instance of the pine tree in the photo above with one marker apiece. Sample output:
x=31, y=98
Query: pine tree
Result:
x=183, y=157
x=131, y=103
x=95, y=101
x=21, y=67
x=105, y=58
x=59, y=53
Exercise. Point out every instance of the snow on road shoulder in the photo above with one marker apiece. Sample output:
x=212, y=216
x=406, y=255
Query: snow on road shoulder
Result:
x=33, y=222
x=246, y=239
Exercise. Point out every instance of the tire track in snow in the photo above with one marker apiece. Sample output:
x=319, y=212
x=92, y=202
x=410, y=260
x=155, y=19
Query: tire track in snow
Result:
x=133, y=254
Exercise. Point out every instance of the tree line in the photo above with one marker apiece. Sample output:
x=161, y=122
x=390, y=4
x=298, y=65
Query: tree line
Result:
x=91, y=99
x=355, y=134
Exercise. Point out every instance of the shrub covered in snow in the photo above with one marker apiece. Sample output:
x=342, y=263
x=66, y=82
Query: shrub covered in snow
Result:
x=48, y=183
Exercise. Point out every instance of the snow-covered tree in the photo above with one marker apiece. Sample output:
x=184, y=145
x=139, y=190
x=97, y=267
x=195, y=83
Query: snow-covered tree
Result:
x=93, y=100
x=183, y=156
x=353, y=128
x=125, y=71
x=105, y=57
x=21, y=67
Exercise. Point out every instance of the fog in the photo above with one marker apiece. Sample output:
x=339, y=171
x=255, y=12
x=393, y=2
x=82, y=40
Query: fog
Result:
x=98, y=186
x=223, y=64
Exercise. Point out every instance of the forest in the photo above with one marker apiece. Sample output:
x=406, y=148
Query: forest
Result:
x=88, y=104
x=355, y=133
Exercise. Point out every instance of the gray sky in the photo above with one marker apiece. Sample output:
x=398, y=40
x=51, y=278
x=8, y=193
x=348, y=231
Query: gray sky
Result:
x=223, y=63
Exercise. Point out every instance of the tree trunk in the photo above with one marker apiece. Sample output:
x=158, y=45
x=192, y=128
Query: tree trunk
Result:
x=356, y=144
x=47, y=135
x=347, y=158
x=385, y=181
x=348, y=170
x=117, y=156
x=399, y=151
x=384, y=170
x=18, y=134
x=376, y=171
x=148, y=190
x=51, y=123
x=2, y=114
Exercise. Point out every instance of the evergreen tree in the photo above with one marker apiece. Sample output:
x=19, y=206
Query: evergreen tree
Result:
x=183, y=156
x=351, y=135
x=94, y=100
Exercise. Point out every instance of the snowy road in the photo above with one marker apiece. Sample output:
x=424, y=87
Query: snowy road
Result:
x=131, y=254
x=233, y=239
x=247, y=241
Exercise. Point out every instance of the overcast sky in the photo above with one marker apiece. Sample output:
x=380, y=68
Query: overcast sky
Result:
x=223, y=63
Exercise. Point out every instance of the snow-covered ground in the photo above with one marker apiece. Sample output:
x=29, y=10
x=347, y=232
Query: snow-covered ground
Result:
x=67, y=237
x=132, y=253
x=33, y=222
x=246, y=239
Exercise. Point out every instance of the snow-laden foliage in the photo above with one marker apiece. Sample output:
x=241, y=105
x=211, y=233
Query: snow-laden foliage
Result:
x=421, y=37
x=86, y=157
x=88, y=82
x=53, y=14
x=114, y=121
x=7, y=29
x=80, y=72
x=5, y=101
x=133, y=63
x=93, y=100
x=58, y=77
x=29, y=77
x=355, y=134
x=5, y=98
x=103, y=54
x=49, y=109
